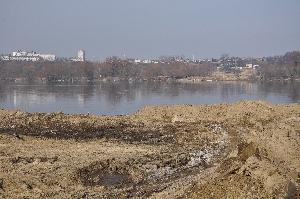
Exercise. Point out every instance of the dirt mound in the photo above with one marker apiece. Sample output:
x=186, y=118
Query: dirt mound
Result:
x=243, y=150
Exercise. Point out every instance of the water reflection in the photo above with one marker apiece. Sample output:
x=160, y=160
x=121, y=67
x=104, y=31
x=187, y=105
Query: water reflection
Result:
x=125, y=97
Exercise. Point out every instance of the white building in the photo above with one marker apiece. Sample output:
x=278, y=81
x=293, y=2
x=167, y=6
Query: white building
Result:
x=27, y=56
x=137, y=61
x=147, y=61
x=81, y=55
x=48, y=57
x=5, y=58
x=249, y=65
x=252, y=66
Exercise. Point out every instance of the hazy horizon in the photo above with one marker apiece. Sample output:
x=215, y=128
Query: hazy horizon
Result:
x=148, y=29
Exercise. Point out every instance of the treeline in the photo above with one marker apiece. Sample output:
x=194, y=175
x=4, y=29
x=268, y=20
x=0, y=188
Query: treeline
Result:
x=112, y=67
x=276, y=67
x=51, y=71
x=281, y=67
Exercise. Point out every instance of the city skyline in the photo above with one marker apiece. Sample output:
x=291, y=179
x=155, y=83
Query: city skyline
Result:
x=151, y=29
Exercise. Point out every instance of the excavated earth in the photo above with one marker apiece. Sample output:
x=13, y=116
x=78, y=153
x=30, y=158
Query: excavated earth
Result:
x=243, y=150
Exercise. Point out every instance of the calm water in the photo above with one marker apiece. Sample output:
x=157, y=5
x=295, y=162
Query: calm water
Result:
x=124, y=97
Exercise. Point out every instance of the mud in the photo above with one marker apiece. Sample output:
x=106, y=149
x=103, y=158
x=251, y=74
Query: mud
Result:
x=242, y=150
x=108, y=174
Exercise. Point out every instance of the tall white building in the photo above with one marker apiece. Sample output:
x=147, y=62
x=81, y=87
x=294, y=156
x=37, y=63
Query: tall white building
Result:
x=81, y=55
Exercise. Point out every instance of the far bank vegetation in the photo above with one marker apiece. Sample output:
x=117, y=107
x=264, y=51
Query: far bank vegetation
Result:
x=270, y=68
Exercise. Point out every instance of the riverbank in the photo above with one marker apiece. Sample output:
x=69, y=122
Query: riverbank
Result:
x=243, y=150
x=218, y=77
x=242, y=75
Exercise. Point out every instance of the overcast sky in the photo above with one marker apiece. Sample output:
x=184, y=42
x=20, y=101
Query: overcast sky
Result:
x=150, y=28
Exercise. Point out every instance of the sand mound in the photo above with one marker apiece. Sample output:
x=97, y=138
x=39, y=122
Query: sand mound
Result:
x=243, y=150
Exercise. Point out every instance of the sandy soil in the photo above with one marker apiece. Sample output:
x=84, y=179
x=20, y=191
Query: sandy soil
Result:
x=243, y=150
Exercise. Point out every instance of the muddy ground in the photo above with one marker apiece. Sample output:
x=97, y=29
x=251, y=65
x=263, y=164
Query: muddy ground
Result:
x=243, y=150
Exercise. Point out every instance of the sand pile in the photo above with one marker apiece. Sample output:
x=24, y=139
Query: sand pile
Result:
x=243, y=150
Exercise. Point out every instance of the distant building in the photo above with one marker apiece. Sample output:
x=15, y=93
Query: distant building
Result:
x=249, y=65
x=137, y=61
x=80, y=56
x=147, y=61
x=48, y=57
x=5, y=58
x=254, y=66
x=27, y=56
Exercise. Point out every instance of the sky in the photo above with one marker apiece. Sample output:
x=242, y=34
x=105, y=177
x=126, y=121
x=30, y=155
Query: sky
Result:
x=151, y=28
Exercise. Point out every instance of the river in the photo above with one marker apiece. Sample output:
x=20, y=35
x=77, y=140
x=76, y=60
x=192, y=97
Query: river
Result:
x=119, y=98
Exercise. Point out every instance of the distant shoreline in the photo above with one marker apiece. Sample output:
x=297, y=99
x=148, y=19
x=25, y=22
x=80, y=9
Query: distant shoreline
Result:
x=187, y=80
x=277, y=68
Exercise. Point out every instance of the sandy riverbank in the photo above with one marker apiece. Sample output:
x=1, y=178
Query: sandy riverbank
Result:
x=242, y=150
